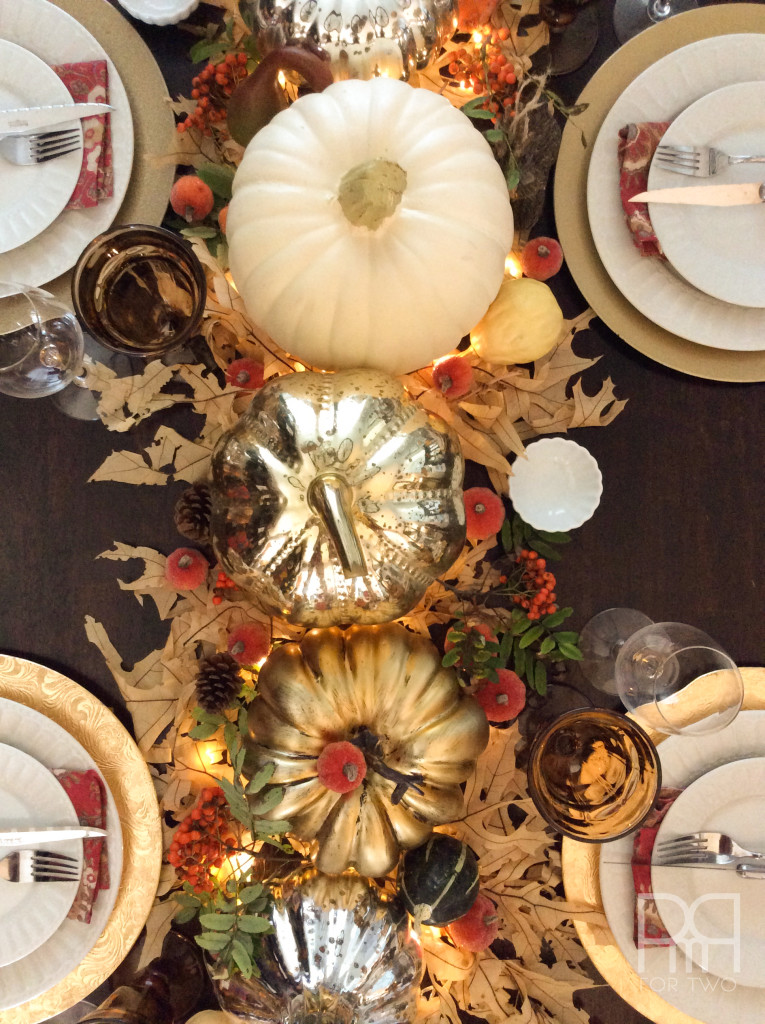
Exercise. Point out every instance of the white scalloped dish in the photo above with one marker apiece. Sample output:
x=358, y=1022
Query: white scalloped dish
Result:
x=556, y=486
x=160, y=12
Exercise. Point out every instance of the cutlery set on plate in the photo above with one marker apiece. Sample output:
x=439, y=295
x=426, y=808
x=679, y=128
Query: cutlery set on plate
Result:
x=709, y=849
x=28, y=135
x=703, y=162
x=42, y=865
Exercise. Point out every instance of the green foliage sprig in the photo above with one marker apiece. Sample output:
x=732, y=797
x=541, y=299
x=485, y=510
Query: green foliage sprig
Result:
x=233, y=916
x=528, y=645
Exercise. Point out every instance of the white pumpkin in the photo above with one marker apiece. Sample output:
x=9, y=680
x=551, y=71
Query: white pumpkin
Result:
x=369, y=227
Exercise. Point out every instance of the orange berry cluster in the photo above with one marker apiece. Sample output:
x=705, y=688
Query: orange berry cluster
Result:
x=222, y=584
x=203, y=840
x=539, y=598
x=487, y=73
x=211, y=89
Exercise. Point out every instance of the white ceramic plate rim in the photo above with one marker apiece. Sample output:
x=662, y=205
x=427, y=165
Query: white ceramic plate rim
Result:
x=666, y=970
x=720, y=250
x=64, y=40
x=728, y=799
x=33, y=196
x=38, y=736
x=659, y=94
x=30, y=913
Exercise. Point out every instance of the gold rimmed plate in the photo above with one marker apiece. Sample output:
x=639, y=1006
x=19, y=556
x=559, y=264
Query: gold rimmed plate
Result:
x=126, y=774
x=572, y=221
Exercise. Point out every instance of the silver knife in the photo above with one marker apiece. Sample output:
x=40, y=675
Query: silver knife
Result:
x=705, y=195
x=53, y=834
x=27, y=119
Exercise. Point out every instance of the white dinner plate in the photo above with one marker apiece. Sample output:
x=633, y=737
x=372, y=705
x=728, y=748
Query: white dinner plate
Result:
x=661, y=93
x=32, y=196
x=36, y=735
x=65, y=41
x=719, y=249
x=31, y=795
x=666, y=970
x=714, y=915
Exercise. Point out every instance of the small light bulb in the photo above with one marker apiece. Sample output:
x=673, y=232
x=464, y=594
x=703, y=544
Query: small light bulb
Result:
x=513, y=266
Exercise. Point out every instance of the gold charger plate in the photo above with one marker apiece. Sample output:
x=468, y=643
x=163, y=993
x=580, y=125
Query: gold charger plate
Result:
x=581, y=879
x=153, y=122
x=118, y=758
x=570, y=194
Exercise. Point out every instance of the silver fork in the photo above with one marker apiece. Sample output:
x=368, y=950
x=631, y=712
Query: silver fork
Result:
x=36, y=149
x=702, y=848
x=700, y=161
x=38, y=866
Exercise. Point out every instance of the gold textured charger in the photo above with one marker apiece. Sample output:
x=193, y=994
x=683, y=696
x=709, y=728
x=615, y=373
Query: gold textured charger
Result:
x=581, y=878
x=153, y=122
x=570, y=194
x=126, y=773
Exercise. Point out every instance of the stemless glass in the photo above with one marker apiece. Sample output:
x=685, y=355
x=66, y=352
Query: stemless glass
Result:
x=633, y=16
x=573, y=33
x=41, y=343
x=140, y=290
x=593, y=774
x=676, y=679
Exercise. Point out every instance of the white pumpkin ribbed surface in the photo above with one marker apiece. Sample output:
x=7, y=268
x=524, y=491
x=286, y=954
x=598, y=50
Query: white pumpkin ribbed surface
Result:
x=337, y=295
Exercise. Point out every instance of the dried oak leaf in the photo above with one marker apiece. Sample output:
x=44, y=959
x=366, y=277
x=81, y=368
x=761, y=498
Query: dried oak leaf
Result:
x=152, y=582
x=149, y=696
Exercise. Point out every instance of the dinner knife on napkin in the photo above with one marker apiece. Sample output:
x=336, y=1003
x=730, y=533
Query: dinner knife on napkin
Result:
x=705, y=195
x=52, y=834
x=27, y=119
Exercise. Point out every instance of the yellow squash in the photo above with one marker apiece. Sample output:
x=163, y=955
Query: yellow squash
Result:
x=384, y=688
x=522, y=324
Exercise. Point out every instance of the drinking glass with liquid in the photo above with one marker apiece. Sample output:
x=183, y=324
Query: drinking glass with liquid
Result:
x=140, y=290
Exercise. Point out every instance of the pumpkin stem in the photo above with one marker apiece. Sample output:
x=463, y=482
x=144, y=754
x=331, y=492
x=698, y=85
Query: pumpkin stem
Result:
x=370, y=192
x=369, y=745
x=329, y=497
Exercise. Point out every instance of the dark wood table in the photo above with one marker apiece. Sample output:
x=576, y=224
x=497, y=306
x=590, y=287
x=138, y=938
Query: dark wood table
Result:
x=677, y=534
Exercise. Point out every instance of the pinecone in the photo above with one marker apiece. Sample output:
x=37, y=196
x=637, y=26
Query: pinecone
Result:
x=218, y=682
x=192, y=513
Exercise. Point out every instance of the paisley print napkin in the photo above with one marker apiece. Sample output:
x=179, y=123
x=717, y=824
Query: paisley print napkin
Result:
x=649, y=930
x=86, y=791
x=87, y=82
x=637, y=144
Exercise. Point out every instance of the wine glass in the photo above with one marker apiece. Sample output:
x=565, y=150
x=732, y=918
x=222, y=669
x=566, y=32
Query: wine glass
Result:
x=573, y=33
x=593, y=774
x=41, y=343
x=633, y=16
x=676, y=679
x=601, y=640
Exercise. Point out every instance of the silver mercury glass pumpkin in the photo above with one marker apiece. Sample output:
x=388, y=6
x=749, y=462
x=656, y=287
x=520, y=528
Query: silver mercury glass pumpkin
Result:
x=340, y=953
x=336, y=498
x=363, y=40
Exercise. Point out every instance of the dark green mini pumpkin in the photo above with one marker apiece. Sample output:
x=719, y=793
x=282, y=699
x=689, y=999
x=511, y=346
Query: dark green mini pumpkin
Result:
x=438, y=881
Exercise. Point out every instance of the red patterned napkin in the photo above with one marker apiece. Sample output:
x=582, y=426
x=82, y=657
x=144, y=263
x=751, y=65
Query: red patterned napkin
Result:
x=649, y=931
x=86, y=791
x=637, y=144
x=88, y=82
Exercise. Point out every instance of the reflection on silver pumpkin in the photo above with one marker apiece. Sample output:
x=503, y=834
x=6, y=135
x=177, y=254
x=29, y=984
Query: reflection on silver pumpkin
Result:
x=363, y=40
x=337, y=499
x=339, y=954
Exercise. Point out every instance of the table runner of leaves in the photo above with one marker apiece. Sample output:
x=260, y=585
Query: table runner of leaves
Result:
x=535, y=965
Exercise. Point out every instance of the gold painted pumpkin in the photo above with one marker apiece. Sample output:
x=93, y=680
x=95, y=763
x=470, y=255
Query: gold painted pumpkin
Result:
x=337, y=499
x=522, y=324
x=384, y=690
x=369, y=226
